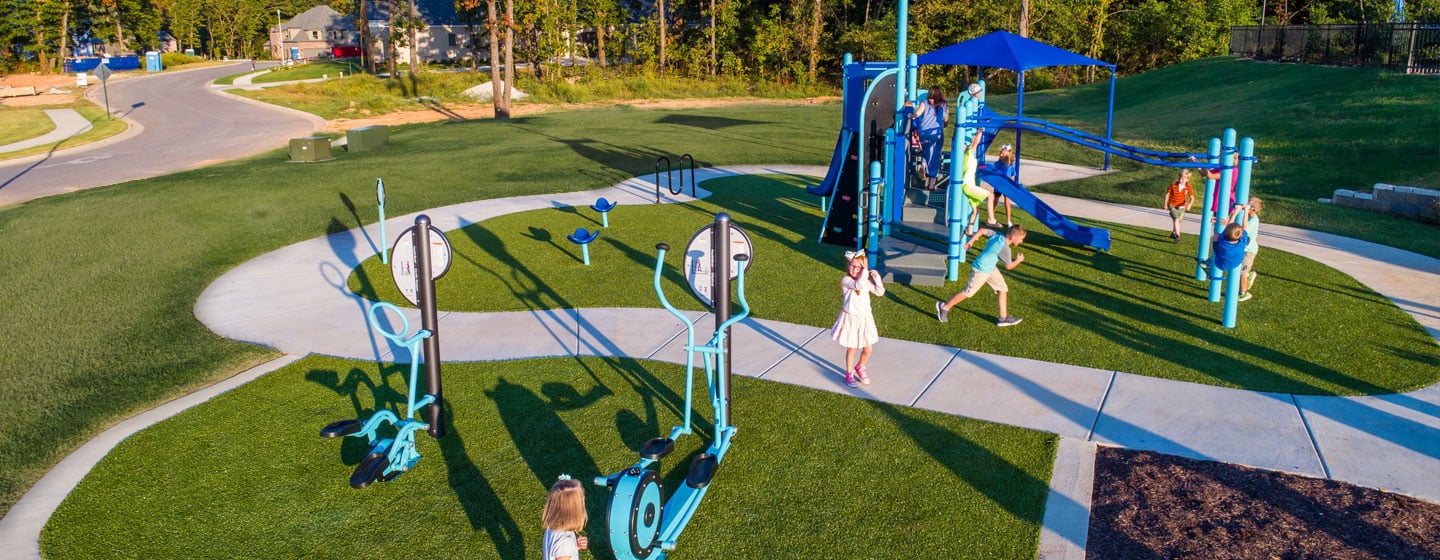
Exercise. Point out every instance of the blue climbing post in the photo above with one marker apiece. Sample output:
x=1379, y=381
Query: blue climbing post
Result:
x=384, y=242
x=583, y=238
x=872, y=236
x=914, y=66
x=1207, y=215
x=957, y=207
x=1242, y=184
x=889, y=178
x=1222, y=210
x=603, y=207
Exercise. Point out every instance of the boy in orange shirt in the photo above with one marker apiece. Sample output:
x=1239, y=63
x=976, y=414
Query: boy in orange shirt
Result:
x=1178, y=200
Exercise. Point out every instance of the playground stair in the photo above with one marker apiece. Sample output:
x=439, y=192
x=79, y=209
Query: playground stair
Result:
x=913, y=253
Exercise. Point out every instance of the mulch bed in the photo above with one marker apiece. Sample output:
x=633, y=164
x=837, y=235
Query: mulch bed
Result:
x=1149, y=505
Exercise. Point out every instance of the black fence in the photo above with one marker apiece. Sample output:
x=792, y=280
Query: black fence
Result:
x=1413, y=48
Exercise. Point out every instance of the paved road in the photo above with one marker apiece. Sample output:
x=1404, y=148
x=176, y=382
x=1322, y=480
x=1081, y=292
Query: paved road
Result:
x=182, y=123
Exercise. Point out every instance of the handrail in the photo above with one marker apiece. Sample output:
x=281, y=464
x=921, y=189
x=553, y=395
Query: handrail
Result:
x=683, y=158
x=668, y=180
x=1091, y=141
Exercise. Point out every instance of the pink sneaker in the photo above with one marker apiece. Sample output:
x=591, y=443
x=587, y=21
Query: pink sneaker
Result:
x=860, y=373
x=850, y=378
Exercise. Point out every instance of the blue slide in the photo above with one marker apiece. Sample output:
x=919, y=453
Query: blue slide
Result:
x=1031, y=204
x=832, y=175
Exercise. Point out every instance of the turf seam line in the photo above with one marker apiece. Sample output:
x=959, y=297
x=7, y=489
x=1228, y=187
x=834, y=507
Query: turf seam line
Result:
x=792, y=352
x=1313, y=444
x=935, y=378
x=1101, y=409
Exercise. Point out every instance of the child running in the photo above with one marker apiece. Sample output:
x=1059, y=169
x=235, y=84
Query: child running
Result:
x=984, y=271
x=855, y=327
x=564, y=514
x=1178, y=200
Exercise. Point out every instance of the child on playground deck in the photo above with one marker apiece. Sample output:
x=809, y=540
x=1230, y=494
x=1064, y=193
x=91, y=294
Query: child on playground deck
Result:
x=984, y=271
x=1005, y=164
x=972, y=189
x=1178, y=200
x=564, y=514
x=855, y=327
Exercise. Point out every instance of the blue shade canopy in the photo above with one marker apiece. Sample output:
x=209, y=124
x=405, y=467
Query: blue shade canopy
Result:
x=1003, y=49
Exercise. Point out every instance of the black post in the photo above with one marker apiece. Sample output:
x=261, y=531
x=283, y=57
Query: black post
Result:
x=425, y=288
x=720, y=294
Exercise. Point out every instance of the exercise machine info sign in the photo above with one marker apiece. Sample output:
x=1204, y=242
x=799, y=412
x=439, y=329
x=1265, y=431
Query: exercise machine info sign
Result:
x=404, y=268
x=699, y=270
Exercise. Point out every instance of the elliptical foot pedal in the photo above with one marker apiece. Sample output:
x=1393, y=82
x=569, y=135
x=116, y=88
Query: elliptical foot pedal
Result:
x=702, y=469
x=369, y=470
x=340, y=428
x=657, y=448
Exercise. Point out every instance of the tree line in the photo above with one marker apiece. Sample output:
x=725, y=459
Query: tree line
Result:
x=782, y=40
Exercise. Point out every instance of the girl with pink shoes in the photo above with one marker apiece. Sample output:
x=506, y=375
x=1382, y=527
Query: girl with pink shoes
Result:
x=855, y=327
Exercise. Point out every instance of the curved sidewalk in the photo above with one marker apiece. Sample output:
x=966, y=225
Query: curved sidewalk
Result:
x=295, y=300
x=68, y=122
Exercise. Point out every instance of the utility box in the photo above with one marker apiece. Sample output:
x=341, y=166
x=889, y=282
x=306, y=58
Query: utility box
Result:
x=366, y=138
x=310, y=149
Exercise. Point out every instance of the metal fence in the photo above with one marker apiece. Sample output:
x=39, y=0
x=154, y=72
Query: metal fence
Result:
x=1413, y=48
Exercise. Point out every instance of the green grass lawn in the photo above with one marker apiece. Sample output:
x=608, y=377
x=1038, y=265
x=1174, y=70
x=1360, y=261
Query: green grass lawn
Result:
x=245, y=475
x=23, y=123
x=105, y=327
x=312, y=70
x=1316, y=129
x=1136, y=309
x=100, y=128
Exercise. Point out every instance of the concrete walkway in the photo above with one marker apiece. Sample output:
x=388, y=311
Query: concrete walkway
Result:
x=68, y=122
x=295, y=300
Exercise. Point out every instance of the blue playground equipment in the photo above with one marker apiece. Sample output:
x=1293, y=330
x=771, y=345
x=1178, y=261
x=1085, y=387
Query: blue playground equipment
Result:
x=906, y=231
x=582, y=237
x=642, y=525
x=604, y=207
x=389, y=457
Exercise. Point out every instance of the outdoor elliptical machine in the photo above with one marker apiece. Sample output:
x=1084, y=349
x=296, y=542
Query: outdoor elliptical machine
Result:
x=641, y=527
x=412, y=268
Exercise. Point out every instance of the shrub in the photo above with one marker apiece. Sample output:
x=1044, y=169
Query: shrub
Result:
x=173, y=59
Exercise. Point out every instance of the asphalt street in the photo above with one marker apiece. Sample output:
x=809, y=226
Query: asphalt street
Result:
x=182, y=124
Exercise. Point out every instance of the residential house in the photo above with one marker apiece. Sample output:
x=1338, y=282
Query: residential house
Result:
x=315, y=32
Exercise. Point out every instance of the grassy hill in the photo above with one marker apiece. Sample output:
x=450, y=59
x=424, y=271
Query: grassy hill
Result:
x=1316, y=129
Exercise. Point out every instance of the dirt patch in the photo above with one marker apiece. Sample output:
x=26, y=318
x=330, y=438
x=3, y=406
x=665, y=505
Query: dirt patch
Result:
x=41, y=82
x=1149, y=505
x=486, y=111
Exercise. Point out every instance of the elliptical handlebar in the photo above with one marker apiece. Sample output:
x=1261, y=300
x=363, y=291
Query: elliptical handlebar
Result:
x=742, y=262
x=662, y=248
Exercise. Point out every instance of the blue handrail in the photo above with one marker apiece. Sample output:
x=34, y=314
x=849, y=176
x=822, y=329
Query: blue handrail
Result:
x=1152, y=157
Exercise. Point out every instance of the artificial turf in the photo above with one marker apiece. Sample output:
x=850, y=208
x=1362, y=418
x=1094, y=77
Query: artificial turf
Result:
x=1136, y=309
x=810, y=474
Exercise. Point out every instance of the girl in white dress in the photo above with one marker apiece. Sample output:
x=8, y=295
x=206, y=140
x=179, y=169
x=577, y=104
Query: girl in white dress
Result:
x=563, y=516
x=855, y=327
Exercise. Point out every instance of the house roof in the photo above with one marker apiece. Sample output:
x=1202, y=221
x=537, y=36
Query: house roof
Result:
x=432, y=12
x=320, y=17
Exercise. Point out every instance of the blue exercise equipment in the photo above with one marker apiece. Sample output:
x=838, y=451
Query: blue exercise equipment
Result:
x=604, y=207
x=642, y=525
x=389, y=457
x=582, y=237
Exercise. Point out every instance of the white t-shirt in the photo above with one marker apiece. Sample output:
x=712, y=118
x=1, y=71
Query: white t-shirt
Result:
x=559, y=544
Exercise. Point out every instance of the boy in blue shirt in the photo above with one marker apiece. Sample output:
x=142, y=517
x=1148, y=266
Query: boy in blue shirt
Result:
x=984, y=271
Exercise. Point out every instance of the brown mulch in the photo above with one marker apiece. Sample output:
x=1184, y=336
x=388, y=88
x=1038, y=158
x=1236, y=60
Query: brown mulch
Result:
x=459, y=112
x=1148, y=505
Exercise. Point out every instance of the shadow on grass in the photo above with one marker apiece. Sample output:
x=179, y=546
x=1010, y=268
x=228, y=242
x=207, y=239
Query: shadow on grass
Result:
x=704, y=121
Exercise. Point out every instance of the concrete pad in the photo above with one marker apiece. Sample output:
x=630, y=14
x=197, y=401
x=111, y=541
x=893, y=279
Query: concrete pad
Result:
x=1390, y=442
x=755, y=345
x=1033, y=394
x=1066, y=525
x=1200, y=421
x=514, y=335
x=899, y=370
x=628, y=332
x=341, y=328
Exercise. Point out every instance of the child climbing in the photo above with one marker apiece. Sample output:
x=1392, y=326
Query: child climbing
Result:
x=855, y=327
x=930, y=126
x=1005, y=165
x=1178, y=200
x=984, y=271
x=1228, y=251
x=564, y=514
x=973, y=191
x=1252, y=248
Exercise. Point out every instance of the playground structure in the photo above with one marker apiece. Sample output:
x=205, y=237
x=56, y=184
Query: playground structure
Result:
x=642, y=524
x=913, y=238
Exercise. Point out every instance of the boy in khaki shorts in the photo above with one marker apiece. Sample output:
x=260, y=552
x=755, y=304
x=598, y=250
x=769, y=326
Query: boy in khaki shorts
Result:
x=984, y=271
